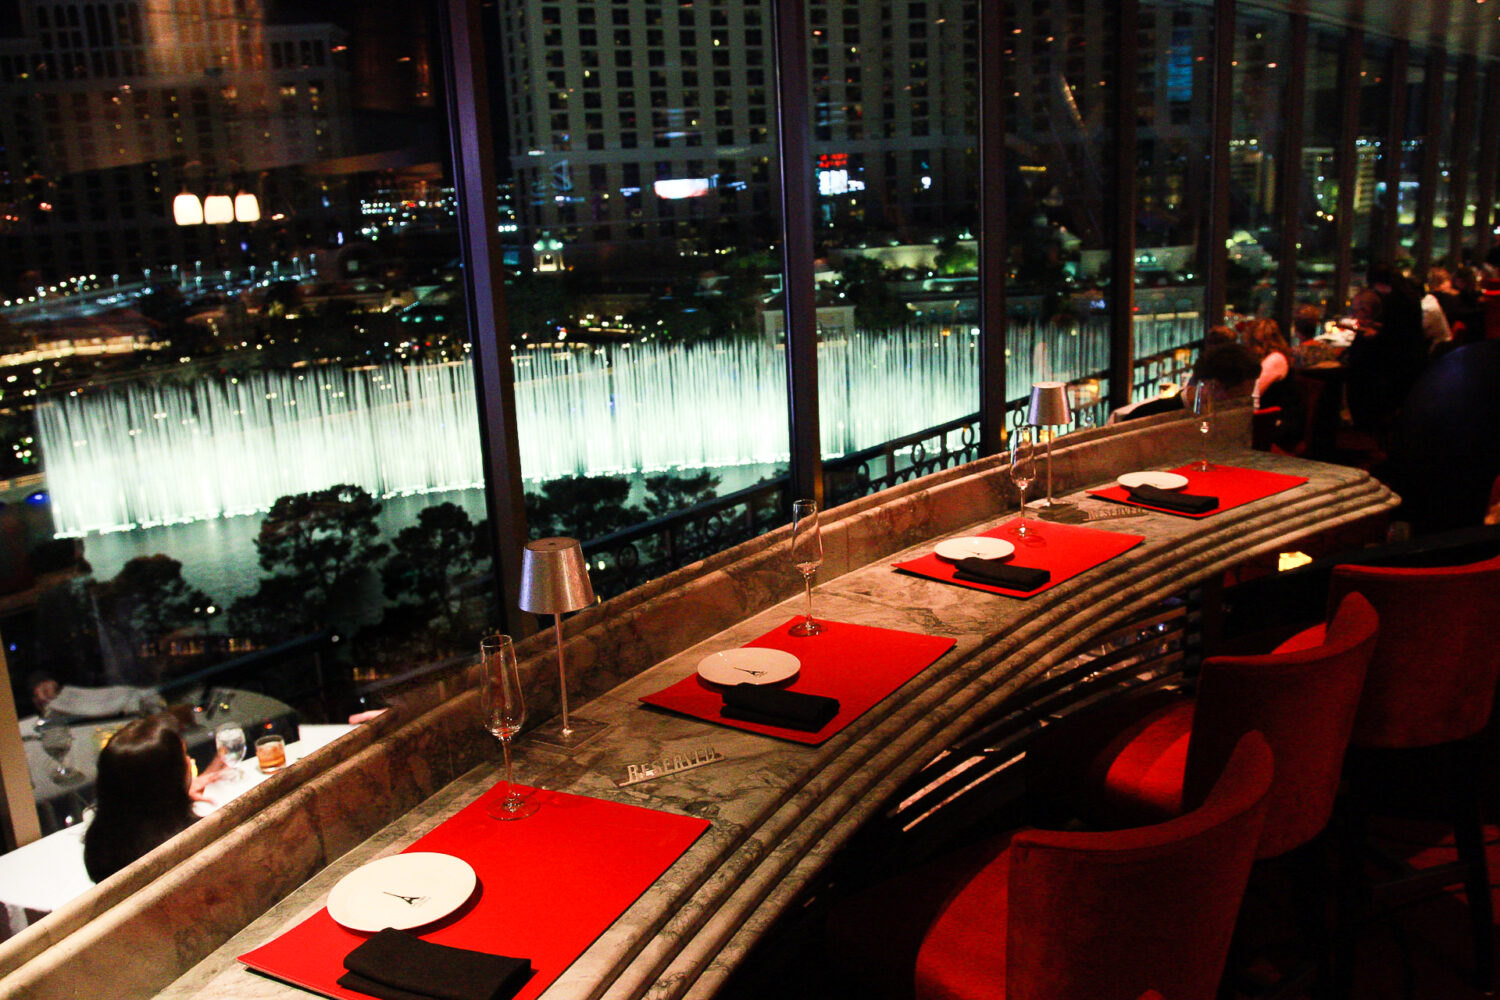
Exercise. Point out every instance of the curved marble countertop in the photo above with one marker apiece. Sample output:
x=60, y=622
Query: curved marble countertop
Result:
x=779, y=810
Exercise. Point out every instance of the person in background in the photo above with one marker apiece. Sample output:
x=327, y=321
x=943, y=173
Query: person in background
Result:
x=1434, y=318
x=1232, y=365
x=1388, y=352
x=1489, y=294
x=44, y=688
x=1309, y=351
x=1465, y=308
x=145, y=792
x=1170, y=399
x=1263, y=337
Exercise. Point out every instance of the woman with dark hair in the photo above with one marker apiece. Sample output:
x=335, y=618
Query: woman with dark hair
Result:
x=145, y=790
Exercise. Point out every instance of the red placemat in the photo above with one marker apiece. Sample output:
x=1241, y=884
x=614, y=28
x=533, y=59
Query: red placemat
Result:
x=1233, y=486
x=549, y=885
x=857, y=664
x=1064, y=550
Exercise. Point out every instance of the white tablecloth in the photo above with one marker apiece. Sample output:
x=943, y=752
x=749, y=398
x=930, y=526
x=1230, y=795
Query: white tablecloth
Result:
x=43, y=875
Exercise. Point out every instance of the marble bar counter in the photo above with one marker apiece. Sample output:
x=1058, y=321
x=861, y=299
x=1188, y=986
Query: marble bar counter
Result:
x=778, y=810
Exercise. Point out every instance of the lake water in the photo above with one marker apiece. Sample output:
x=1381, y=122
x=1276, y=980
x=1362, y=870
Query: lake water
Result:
x=218, y=556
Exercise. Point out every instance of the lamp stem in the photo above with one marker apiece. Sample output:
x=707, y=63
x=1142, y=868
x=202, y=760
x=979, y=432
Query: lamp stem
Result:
x=562, y=673
x=1049, y=469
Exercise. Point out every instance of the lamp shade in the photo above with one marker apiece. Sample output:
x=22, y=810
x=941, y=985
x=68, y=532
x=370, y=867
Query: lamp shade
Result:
x=554, y=577
x=246, y=207
x=218, y=209
x=187, y=210
x=1049, y=405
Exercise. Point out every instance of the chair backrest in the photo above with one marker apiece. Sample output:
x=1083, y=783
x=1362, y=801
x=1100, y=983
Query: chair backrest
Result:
x=1432, y=676
x=1110, y=915
x=1304, y=703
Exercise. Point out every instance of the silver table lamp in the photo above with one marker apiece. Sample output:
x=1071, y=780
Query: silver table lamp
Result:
x=555, y=580
x=1049, y=408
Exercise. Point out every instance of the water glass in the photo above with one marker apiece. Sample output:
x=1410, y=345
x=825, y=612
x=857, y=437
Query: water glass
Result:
x=1201, y=399
x=229, y=740
x=503, y=711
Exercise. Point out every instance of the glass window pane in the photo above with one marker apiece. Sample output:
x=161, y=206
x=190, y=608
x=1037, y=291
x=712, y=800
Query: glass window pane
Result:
x=1318, y=213
x=1173, y=115
x=1261, y=44
x=643, y=299
x=1370, y=196
x=236, y=399
x=1060, y=69
x=894, y=112
x=1413, y=148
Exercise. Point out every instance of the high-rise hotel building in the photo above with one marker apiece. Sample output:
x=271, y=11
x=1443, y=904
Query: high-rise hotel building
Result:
x=109, y=110
x=637, y=125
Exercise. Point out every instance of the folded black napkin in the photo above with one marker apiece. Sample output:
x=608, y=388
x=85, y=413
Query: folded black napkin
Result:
x=1183, y=503
x=395, y=965
x=999, y=574
x=778, y=707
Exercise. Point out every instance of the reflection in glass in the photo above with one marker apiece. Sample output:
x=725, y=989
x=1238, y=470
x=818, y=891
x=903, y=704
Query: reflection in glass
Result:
x=203, y=412
x=1173, y=109
x=1058, y=164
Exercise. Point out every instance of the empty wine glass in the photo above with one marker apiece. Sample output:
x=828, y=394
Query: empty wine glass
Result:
x=57, y=740
x=1023, y=469
x=807, y=556
x=229, y=740
x=1201, y=399
x=503, y=710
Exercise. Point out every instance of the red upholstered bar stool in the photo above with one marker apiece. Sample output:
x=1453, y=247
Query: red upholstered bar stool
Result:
x=1304, y=701
x=1041, y=915
x=1432, y=685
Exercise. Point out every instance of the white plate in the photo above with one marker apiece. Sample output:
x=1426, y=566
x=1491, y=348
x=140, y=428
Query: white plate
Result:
x=974, y=547
x=401, y=891
x=748, y=665
x=1161, y=480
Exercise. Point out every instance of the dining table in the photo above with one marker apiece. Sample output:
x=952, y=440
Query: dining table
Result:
x=777, y=809
x=41, y=876
x=63, y=797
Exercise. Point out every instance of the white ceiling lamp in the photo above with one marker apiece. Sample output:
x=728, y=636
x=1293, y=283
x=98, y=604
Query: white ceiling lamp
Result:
x=246, y=207
x=187, y=210
x=218, y=209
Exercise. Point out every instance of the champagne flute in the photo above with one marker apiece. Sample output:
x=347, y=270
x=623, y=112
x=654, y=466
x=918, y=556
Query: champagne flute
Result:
x=807, y=555
x=1023, y=470
x=229, y=740
x=1203, y=408
x=503, y=711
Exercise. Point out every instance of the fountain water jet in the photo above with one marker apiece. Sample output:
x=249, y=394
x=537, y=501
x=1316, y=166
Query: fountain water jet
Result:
x=148, y=455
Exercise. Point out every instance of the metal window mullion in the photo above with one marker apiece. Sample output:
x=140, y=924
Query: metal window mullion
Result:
x=1122, y=260
x=1351, y=63
x=992, y=230
x=1458, y=158
x=1387, y=213
x=793, y=130
x=1289, y=190
x=1433, y=80
x=1489, y=161
x=473, y=150
x=1216, y=266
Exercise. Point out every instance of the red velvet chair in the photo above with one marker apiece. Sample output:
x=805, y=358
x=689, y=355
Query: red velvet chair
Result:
x=1431, y=684
x=1061, y=916
x=1304, y=703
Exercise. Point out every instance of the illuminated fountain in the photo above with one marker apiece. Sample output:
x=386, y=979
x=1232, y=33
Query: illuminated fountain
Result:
x=149, y=455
